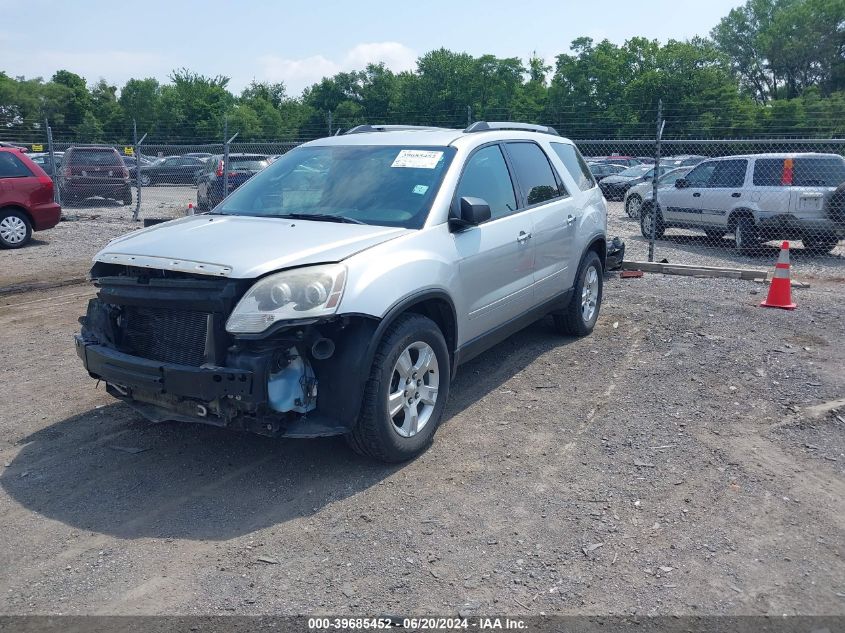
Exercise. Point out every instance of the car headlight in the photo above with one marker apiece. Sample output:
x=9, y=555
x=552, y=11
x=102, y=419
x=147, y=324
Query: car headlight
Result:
x=301, y=293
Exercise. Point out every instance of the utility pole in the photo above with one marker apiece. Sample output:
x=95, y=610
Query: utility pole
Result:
x=469, y=115
x=136, y=150
x=330, y=122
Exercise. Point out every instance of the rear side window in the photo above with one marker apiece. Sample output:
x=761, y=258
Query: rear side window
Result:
x=534, y=173
x=729, y=173
x=486, y=176
x=805, y=172
x=12, y=167
x=95, y=157
x=575, y=165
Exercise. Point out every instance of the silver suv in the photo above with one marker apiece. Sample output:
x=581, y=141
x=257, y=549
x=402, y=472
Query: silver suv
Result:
x=337, y=291
x=757, y=197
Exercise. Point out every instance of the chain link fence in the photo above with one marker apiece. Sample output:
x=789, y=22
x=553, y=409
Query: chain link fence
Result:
x=718, y=202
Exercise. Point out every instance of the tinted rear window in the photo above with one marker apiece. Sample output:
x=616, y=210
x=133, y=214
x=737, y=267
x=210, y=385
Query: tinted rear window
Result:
x=575, y=165
x=247, y=164
x=12, y=167
x=807, y=172
x=95, y=157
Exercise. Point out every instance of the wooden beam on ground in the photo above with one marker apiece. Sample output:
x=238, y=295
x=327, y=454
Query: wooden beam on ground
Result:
x=695, y=271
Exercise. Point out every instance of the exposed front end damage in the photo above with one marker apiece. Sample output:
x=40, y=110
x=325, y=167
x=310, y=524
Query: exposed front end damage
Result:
x=158, y=341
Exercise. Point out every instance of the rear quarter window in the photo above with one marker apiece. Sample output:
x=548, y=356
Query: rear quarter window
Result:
x=575, y=165
x=12, y=167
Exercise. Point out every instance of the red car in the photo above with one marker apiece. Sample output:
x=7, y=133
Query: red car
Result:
x=26, y=199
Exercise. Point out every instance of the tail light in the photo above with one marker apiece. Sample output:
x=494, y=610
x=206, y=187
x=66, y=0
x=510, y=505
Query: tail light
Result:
x=45, y=180
x=788, y=170
x=220, y=169
x=125, y=171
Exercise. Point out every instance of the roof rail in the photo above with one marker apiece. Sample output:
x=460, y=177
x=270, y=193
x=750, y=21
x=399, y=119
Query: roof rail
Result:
x=485, y=126
x=362, y=129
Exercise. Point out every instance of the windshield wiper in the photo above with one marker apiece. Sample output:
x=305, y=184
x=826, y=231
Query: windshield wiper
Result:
x=319, y=217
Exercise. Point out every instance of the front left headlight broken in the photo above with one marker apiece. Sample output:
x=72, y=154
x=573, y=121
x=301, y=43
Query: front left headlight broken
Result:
x=301, y=293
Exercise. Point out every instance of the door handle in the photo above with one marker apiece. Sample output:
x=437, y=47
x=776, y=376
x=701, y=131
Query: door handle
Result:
x=570, y=219
x=736, y=194
x=696, y=195
x=523, y=237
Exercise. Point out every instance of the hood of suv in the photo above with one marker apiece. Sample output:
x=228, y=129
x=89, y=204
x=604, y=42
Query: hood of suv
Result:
x=243, y=247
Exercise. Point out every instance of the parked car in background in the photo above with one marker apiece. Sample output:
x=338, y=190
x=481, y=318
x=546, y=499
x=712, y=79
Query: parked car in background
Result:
x=17, y=146
x=26, y=199
x=645, y=190
x=336, y=292
x=683, y=160
x=172, y=170
x=757, y=197
x=601, y=171
x=132, y=163
x=628, y=161
x=94, y=171
x=241, y=168
x=42, y=159
x=614, y=187
x=198, y=155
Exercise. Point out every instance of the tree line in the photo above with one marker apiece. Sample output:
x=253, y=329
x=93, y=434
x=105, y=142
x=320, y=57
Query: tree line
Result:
x=769, y=68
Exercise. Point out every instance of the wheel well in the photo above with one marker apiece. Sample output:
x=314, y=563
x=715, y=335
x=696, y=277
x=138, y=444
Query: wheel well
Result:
x=599, y=245
x=734, y=217
x=14, y=207
x=439, y=311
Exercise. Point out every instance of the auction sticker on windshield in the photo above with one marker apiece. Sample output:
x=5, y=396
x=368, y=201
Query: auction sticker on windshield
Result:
x=417, y=159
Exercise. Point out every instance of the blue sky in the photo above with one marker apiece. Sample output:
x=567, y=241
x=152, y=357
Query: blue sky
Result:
x=299, y=42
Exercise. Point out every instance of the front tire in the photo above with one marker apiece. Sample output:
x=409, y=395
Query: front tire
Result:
x=633, y=205
x=15, y=229
x=406, y=392
x=581, y=314
x=647, y=216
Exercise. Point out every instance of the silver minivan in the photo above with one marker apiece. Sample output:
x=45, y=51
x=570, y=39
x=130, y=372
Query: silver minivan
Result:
x=338, y=290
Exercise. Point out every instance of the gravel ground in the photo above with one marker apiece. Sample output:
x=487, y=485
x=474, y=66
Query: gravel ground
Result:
x=65, y=251
x=667, y=464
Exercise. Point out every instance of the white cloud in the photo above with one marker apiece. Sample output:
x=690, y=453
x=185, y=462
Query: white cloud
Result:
x=301, y=73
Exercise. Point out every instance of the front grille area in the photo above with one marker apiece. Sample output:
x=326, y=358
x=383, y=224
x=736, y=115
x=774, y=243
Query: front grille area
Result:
x=162, y=334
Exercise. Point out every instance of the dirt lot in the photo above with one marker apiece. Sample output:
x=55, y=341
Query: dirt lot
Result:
x=65, y=251
x=667, y=464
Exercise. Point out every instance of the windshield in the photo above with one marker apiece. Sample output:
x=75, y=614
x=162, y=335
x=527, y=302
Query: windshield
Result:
x=636, y=172
x=670, y=177
x=382, y=185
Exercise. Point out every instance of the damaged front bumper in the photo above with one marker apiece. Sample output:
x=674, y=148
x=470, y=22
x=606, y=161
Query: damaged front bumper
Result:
x=160, y=346
x=219, y=396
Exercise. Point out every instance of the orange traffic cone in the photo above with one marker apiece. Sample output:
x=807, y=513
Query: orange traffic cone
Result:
x=780, y=290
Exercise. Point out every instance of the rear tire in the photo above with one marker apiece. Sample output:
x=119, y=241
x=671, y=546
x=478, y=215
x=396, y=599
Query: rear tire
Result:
x=820, y=244
x=646, y=216
x=15, y=229
x=581, y=314
x=633, y=205
x=411, y=371
x=746, y=237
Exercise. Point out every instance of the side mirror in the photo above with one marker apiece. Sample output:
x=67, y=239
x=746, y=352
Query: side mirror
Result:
x=682, y=183
x=473, y=211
